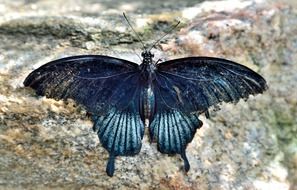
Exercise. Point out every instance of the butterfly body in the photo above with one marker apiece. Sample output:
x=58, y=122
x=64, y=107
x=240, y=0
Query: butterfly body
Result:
x=121, y=95
x=147, y=73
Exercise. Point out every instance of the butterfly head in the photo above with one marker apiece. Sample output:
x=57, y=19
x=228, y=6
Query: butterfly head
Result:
x=147, y=57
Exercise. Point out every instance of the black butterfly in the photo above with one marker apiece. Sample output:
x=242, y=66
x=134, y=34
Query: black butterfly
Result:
x=121, y=95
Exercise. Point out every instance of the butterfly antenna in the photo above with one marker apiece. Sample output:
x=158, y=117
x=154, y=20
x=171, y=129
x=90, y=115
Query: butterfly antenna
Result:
x=171, y=29
x=134, y=31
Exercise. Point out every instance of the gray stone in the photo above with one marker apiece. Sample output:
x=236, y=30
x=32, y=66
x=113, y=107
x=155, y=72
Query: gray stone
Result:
x=49, y=144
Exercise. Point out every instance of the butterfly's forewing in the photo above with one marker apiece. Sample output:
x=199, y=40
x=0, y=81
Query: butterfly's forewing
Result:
x=196, y=83
x=107, y=87
x=97, y=82
x=189, y=86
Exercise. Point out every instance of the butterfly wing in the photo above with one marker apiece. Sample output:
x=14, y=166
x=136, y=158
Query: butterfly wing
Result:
x=99, y=83
x=173, y=129
x=107, y=87
x=194, y=84
x=186, y=87
x=120, y=131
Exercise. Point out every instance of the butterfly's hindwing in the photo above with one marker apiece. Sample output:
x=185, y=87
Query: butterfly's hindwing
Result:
x=121, y=131
x=173, y=129
x=195, y=84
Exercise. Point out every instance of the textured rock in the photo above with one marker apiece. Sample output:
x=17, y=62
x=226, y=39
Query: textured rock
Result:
x=50, y=144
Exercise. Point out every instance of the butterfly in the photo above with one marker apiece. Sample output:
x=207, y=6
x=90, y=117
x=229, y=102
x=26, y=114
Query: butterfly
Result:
x=121, y=96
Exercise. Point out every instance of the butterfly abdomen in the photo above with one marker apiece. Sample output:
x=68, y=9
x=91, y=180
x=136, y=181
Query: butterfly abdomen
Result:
x=147, y=103
x=147, y=98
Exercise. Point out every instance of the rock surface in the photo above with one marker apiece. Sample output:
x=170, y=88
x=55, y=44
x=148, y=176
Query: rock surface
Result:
x=49, y=144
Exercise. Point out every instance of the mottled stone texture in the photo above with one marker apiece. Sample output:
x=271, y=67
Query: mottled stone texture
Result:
x=49, y=144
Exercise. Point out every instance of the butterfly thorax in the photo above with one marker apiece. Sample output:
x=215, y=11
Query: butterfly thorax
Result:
x=147, y=66
x=147, y=57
